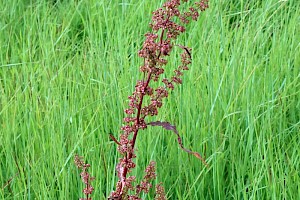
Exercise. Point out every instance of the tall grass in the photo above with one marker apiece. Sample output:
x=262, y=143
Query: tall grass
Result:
x=67, y=67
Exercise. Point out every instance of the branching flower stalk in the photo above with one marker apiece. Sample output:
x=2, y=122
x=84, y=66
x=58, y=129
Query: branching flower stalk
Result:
x=85, y=176
x=156, y=48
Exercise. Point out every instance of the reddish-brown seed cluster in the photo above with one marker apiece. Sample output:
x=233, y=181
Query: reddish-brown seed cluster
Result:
x=145, y=184
x=85, y=176
x=160, y=192
x=146, y=100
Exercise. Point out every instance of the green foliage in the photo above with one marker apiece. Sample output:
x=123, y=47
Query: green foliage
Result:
x=67, y=67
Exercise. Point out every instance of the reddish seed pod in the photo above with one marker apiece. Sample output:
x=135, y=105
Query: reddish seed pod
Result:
x=146, y=99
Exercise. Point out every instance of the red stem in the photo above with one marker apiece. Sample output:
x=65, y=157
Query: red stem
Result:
x=86, y=186
x=139, y=112
x=129, y=156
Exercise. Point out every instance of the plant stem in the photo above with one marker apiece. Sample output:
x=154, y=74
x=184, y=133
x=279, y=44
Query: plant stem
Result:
x=129, y=156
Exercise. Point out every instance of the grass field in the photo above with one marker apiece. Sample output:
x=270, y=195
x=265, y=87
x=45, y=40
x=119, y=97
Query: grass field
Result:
x=66, y=69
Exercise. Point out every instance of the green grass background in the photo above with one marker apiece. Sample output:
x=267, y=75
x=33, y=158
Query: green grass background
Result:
x=67, y=67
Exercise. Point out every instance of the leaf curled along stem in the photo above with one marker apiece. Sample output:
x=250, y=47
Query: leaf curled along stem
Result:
x=170, y=127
